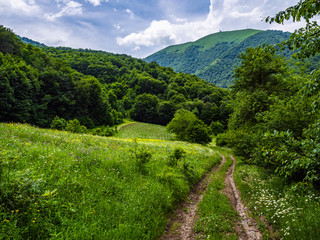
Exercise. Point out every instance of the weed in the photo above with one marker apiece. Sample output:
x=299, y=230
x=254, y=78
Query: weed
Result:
x=293, y=211
x=177, y=155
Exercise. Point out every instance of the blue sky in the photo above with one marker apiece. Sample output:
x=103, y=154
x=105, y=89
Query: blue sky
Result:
x=134, y=27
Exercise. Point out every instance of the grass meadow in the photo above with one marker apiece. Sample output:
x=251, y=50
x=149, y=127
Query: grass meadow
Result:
x=60, y=185
x=144, y=131
x=291, y=211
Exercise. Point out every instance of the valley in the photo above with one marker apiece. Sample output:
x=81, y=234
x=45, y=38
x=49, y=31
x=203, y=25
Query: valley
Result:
x=223, y=145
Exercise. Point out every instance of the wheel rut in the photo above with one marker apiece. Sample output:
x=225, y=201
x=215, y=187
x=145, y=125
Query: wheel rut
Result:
x=181, y=224
x=247, y=228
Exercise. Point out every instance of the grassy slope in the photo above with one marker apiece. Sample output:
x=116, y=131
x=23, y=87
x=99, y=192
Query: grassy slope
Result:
x=59, y=185
x=144, y=131
x=210, y=41
x=214, y=57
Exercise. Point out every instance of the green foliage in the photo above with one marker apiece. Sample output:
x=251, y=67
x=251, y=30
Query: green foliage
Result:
x=145, y=108
x=260, y=69
x=305, y=39
x=179, y=124
x=214, y=57
x=75, y=126
x=142, y=156
x=216, y=128
x=58, y=123
x=166, y=112
x=292, y=211
x=104, y=131
x=275, y=114
x=198, y=132
x=57, y=184
x=9, y=42
x=176, y=156
x=95, y=87
x=188, y=127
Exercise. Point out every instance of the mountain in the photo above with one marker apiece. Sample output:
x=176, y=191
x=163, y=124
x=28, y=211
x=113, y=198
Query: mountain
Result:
x=30, y=41
x=214, y=57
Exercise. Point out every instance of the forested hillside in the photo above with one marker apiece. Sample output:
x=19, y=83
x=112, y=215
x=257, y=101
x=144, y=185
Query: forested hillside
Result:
x=215, y=57
x=275, y=119
x=97, y=88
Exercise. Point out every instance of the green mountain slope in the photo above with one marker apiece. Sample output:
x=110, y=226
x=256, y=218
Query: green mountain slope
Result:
x=214, y=57
x=30, y=41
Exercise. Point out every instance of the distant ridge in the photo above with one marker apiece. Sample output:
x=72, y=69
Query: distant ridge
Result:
x=30, y=41
x=214, y=57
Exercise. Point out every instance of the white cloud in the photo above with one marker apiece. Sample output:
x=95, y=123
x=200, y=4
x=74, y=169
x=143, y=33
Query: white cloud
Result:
x=163, y=32
x=137, y=48
x=94, y=2
x=131, y=13
x=179, y=20
x=223, y=15
x=71, y=8
x=26, y=7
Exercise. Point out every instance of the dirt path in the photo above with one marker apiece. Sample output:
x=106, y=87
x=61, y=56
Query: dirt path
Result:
x=181, y=224
x=249, y=229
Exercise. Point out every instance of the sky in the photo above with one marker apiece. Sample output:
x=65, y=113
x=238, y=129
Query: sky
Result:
x=135, y=27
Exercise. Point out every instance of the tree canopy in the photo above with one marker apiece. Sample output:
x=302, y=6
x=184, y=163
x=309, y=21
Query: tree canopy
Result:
x=95, y=87
x=275, y=118
x=305, y=39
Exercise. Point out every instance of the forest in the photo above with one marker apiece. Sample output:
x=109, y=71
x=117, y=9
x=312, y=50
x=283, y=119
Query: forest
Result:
x=275, y=108
x=45, y=86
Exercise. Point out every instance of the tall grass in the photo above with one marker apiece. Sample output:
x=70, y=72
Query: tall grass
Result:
x=59, y=185
x=293, y=211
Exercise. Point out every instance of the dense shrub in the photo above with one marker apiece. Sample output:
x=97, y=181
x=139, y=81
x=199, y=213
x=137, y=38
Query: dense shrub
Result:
x=216, y=128
x=176, y=156
x=198, y=132
x=58, y=123
x=75, y=126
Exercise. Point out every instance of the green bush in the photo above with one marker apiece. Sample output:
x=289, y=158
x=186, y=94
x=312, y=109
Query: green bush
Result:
x=188, y=127
x=75, y=126
x=58, y=123
x=176, y=156
x=198, y=132
x=180, y=122
x=242, y=143
x=141, y=156
x=216, y=128
x=104, y=131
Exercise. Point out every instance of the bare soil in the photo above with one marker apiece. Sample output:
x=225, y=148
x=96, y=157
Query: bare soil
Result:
x=249, y=229
x=181, y=224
